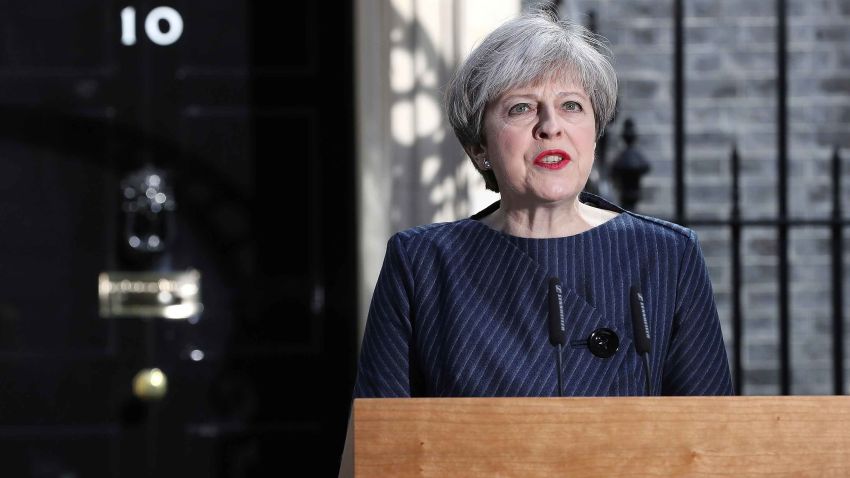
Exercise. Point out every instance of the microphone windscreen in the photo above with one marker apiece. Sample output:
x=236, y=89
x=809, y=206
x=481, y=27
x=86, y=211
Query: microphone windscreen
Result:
x=557, y=326
x=639, y=321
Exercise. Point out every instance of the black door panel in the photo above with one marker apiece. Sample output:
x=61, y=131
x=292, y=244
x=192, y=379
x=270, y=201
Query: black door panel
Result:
x=249, y=117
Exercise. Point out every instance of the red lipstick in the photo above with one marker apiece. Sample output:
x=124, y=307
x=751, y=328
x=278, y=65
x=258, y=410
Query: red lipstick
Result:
x=550, y=163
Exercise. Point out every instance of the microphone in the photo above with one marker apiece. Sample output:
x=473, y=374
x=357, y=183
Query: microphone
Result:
x=640, y=326
x=557, y=326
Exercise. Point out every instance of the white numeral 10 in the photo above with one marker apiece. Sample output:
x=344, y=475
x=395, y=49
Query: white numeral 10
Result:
x=168, y=14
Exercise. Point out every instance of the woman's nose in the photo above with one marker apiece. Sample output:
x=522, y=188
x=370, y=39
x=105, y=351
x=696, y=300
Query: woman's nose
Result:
x=548, y=124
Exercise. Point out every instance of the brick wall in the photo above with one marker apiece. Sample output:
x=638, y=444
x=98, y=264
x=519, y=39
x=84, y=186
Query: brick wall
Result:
x=731, y=99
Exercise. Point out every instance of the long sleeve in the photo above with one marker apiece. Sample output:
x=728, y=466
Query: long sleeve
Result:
x=385, y=355
x=696, y=362
x=460, y=310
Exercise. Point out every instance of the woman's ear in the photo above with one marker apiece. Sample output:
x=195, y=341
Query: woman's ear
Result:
x=478, y=154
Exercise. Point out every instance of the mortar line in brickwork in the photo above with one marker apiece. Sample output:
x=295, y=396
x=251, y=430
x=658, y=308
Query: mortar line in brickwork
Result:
x=770, y=222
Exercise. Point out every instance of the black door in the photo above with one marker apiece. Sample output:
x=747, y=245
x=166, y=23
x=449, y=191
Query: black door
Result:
x=244, y=111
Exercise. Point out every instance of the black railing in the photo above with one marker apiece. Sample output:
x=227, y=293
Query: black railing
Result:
x=782, y=223
x=838, y=224
x=737, y=316
x=835, y=224
x=679, y=110
x=782, y=196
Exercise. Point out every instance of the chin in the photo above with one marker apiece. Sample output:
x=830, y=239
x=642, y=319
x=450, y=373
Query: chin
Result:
x=558, y=194
x=561, y=196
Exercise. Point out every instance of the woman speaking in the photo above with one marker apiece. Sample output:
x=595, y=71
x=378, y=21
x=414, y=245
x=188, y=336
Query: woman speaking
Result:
x=550, y=291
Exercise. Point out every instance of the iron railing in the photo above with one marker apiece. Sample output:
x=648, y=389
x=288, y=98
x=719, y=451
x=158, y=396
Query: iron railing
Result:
x=782, y=222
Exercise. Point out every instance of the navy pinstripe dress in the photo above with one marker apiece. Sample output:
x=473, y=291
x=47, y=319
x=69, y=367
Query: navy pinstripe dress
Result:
x=461, y=309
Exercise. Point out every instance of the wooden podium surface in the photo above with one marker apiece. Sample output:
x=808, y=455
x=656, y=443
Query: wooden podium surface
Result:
x=596, y=437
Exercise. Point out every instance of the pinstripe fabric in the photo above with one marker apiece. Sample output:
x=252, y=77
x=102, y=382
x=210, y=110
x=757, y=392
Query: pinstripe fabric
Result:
x=461, y=310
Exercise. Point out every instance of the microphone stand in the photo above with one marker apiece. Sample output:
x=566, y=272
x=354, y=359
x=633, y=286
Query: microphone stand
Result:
x=557, y=326
x=558, y=360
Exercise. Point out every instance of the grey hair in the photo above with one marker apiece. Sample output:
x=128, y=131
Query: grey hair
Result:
x=525, y=50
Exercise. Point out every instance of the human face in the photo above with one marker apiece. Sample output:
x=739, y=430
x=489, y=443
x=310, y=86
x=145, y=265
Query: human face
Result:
x=540, y=141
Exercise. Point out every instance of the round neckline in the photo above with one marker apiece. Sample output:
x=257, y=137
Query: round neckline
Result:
x=609, y=222
x=584, y=197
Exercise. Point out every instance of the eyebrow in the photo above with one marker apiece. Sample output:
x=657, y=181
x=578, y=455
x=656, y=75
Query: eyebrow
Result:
x=560, y=94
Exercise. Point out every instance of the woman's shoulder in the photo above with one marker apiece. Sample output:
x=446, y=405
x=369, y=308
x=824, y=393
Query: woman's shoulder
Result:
x=654, y=225
x=643, y=224
x=439, y=232
x=430, y=243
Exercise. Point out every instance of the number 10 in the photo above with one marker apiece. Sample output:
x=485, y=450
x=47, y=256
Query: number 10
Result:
x=168, y=14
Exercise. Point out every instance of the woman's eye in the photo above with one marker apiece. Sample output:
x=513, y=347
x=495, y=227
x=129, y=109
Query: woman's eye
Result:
x=572, y=106
x=519, y=108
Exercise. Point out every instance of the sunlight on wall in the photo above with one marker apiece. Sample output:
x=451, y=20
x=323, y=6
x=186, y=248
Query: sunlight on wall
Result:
x=411, y=168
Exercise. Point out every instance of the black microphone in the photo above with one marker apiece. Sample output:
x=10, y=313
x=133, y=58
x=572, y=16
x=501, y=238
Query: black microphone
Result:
x=557, y=326
x=640, y=326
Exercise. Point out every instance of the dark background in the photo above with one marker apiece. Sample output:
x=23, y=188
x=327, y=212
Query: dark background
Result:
x=250, y=116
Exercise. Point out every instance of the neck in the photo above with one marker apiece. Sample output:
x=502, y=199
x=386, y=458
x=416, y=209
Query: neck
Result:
x=543, y=221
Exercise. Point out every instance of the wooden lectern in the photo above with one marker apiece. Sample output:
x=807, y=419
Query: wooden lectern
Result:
x=603, y=437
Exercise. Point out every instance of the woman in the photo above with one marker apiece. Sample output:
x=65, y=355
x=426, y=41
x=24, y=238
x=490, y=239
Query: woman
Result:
x=461, y=308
